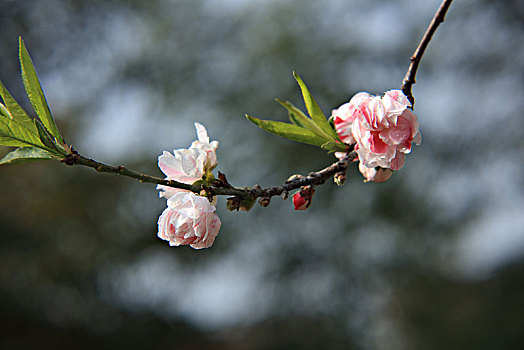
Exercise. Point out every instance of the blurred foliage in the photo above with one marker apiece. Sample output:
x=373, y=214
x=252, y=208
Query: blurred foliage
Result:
x=367, y=266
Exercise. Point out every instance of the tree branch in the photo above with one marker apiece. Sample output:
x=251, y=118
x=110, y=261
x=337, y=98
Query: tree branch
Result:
x=222, y=187
x=219, y=187
x=409, y=79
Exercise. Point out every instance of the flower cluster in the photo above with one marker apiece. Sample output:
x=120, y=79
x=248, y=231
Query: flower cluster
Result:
x=382, y=130
x=189, y=219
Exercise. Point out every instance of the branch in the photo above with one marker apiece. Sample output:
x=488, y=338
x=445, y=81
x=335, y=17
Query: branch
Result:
x=409, y=79
x=313, y=178
x=221, y=186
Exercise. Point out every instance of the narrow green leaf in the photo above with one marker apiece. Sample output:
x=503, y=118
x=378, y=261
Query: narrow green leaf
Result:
x=44, y=135
x=333, y=146
x=293, y=119
x=12, y=133
x=35, y=93
x=313, y=109
x=25, y=155
x=299, y=118
x=48, y=140
x=14, y=110
x=289, y=131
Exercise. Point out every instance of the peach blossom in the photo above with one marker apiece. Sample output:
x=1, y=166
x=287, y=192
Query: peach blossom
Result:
x=189, y=220
x=382, y=128
x=188, y=165
x=203, y=144
x=344, y=116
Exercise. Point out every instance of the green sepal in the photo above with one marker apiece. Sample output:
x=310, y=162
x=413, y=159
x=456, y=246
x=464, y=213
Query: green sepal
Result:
x=246, y=204
x=35, y=93
x=198, y=183
x=289, y=131
x=25, y=155
x=208, y=176
x=314, y=110
x=298, y=117
x=205, y=181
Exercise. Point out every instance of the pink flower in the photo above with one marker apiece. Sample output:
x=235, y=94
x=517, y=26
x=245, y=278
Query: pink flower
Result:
x=382, y=128
x=344, y=116
x=188, y=165
x=375, y=174
x=189, y=220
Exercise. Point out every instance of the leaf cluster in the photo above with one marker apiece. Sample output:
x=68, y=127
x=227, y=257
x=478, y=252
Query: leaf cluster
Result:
x=34, y=138
x=313, y=129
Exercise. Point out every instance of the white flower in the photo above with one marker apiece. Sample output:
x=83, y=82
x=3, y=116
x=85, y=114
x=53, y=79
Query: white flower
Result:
x=189, y=220
x=188, y=165
x=203, y=144
x=184, y=165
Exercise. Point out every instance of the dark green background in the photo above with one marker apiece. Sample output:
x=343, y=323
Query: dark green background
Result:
x=432, y=259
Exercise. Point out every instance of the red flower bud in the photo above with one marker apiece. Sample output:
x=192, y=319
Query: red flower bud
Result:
x=302, y=199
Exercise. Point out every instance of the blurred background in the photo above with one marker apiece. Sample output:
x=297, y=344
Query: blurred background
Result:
x=432, y=259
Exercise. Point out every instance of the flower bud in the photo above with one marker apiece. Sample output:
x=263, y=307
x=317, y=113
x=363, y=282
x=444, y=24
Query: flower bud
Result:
x=294, y=177
x=264, y=201
x=302, y=199
x=340, y=178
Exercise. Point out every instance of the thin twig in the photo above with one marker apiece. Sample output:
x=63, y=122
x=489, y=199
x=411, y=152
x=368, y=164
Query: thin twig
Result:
x=314, y=178
x=409, y=79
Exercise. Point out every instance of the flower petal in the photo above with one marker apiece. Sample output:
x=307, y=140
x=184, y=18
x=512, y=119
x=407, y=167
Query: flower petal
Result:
x=201, y=133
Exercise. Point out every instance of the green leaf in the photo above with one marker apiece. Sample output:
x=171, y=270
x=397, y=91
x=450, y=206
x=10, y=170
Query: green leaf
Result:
x=289, y=131
x=313, y=109
x=35, y=93
x=25, y=155
x=48, y=140
x=14, y=110
x=13, y=133
x=331, y=122
x=333, y=146
x=298, y=117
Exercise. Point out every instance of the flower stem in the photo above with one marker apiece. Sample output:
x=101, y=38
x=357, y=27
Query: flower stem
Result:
x=409, y=79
